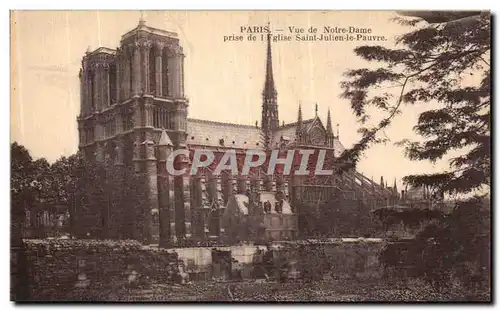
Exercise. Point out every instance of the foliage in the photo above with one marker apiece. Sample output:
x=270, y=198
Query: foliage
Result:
x=432, y=65
x=455, y=248
x=64, y=174
x=108, y=201
x=341, y=217
x=443, y=63
x=411, y=218
x=99, y=196
x=312, y=262
x=28, y=178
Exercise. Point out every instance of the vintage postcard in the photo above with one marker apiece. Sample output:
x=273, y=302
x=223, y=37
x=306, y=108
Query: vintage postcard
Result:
x=259, y=156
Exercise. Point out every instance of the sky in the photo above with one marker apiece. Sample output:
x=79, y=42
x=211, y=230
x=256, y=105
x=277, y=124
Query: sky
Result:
x=223, y=80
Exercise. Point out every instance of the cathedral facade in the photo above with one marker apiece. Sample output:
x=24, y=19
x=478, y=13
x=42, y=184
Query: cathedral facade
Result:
x=134, y=113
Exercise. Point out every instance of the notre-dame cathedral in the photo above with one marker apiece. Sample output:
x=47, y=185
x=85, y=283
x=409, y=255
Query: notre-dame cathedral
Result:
x=134, y=113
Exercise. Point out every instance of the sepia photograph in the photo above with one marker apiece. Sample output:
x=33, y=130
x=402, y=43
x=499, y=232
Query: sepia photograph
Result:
x=250, y=156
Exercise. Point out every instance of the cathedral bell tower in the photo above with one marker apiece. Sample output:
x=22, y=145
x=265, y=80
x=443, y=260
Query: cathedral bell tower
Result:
x=151, y=63
x=270, y=120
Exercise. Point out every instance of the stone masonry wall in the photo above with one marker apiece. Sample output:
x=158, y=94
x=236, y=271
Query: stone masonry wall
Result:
x=335, y=259
x=68, y=269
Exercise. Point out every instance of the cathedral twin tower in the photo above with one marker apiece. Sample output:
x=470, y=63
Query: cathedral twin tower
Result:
x=137, y=86
x=129, y=98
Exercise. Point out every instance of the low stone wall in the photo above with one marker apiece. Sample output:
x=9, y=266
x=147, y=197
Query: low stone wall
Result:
x=74, y=269
x=336, y=258
x=68, y=269
x=198, y=260
x=340, y=259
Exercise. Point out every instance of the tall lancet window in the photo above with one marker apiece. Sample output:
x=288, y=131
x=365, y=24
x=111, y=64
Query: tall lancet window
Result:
x=130, y=64
x=165, y=74
x=156, y=117
x=112, y=84
x=82, y=91
x=91, y=90
x=152, y=71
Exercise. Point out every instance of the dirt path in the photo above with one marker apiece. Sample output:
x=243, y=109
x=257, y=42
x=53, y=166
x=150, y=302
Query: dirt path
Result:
x=332, y=290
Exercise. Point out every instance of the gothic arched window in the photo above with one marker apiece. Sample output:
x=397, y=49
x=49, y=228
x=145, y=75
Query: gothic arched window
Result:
x=91, y=90
x=130, y=65
x=112, y=84
x=165, y=73
x=317, y=136
x=156, y=117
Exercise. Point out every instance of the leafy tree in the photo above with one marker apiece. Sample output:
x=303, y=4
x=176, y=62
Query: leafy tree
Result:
x=430, y=67
x=442, y=62
x=64, y=175
x=41, y=179
x=85, y=192
x=340, y=217
x=106, y=201
x=22, y=176
x=442, y=16
x=29, y=181
x=411, y=218
x=27, y=176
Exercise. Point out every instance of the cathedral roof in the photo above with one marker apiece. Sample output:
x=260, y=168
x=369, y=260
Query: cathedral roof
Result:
x=143, y=27
x=220, y=134
x=100, y=50
x=230, y=135
x=307, y=122
x=338, y=147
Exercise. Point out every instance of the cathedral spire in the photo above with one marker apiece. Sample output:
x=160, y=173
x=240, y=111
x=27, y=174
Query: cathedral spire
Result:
x=298, y=129
x=382, y=182
x=395, y=187
x=330, y=137
x=299, y=118
x=142, y=22
x=269, y=87
x=329, y=129
x=270, y=120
